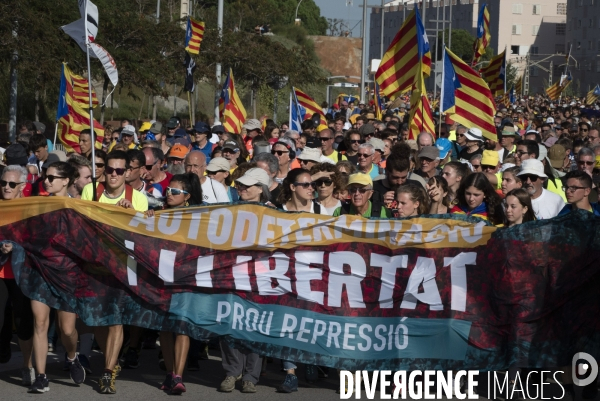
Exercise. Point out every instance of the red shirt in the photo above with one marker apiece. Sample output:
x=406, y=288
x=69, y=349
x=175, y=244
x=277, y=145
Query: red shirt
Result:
x=165, y=183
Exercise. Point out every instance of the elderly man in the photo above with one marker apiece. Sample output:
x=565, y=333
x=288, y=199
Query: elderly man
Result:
x=545, y=204
x=212, y=190
x=508, y=142
x=429, y=158
x=366, y=154
x=153, y=172
x=360, y=189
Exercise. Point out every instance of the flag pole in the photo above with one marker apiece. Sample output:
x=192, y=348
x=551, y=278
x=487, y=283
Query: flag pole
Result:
x=290, y=124
x=91, y=110
x=505, y=69
x=55, y=134
x=442, y=85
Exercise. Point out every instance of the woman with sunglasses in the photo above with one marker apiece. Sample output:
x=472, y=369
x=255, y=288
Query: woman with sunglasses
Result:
x=297, y=193
x=58, y=178
x=476, y=197
x=326, y=186
x=12, y=184
x=184, y=190
x=100, y=156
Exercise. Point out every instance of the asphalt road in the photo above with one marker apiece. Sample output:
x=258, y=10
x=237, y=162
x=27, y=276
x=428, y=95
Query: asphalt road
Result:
x=143, y=383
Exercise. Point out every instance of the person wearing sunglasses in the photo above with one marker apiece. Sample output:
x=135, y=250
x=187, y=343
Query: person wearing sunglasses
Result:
x=327, y=183
x=100, y=157
x=114, y=191
x=360, y=189
x=285, y=151
x=59, y=176
x=526, y=149
x=545, y=204
x=326, y=137
x=12, y=184
x=578, y=186
x=152, y=171
x=297, y=194
x=217, y=172
x=460, y=143
x=366, y=154
x=309, y=158
x=353, y=139
x=474, y=141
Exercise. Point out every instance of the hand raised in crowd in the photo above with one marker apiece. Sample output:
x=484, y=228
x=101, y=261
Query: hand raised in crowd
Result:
x=435, y=193
x=322, y=174
x=7, y=247
x=389, y=197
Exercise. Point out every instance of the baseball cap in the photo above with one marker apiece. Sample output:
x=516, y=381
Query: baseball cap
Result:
x=252, y=124
x=201, y=127
x=490, y=158
x=145, y=126
x=52, y=158
x=128, y=130
x=532, y=167
x=377, y=143
x=321, y=127
x=16, y=154
x=173, y=122
x=310, y=154
x=550, y=120
x=218, y=164
x=178, y=151
x=430, y=152
x=218, y=129
x=39, y=126
x=156, y=128
x=370, y=116
x=360, y=179
x=550, y=141
x=509, y=131
x=233, y=145
x=366, y=129
x=557, y=154
x=254, y=176
x=444, y=146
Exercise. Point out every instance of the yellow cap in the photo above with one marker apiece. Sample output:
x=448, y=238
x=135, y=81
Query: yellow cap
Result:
x=353, y=118
x=321, y=127
x=490, y=158
x=145, y=126
x=360, y=179
x=597, y=162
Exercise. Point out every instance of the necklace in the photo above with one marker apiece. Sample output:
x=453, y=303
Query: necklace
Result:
x=113, y=197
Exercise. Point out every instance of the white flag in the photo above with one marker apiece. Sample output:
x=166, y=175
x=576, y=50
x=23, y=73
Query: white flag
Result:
x=92, y=17
x=76, y=30
x=107, y=61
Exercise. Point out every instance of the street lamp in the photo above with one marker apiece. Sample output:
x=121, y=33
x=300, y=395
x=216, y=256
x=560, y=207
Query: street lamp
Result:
x=296, y=20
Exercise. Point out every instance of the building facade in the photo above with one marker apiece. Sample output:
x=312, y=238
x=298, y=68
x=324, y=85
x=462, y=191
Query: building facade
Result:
x=582, y=35
x=532, y=32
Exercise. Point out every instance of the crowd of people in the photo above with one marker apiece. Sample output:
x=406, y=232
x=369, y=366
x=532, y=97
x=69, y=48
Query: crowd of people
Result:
x=543, y=162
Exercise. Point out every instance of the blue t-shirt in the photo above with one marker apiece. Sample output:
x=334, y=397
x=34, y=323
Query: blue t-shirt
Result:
x=207, y=149
x=569, y=208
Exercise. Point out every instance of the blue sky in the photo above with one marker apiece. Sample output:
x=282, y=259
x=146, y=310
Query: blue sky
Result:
x=338, y=9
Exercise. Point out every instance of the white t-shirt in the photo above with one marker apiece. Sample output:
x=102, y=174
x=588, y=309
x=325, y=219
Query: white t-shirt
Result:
x=548, y=205
x=312, y=209
x=329, y=210
x=214, y=192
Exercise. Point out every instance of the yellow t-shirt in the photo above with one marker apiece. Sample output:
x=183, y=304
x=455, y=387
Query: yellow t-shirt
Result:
x=139, y=200
x=557, y=189
x=334, y=156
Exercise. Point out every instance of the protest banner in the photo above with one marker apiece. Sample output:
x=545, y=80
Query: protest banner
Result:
x=440, y=292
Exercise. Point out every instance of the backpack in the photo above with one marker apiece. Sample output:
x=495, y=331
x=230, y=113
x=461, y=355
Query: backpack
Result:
x=128, y=192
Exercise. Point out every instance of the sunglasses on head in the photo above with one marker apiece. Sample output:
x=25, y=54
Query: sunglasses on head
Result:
x=51, y=178
x=358, y=190
x=279, y=152
x=11, y=184
x=321, y=183
x=176, y=191
x=110, y=170
x=305, y=185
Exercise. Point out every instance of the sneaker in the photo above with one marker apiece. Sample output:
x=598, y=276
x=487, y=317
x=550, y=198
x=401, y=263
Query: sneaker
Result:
x=228, y=385
x=85, y=363
x=77, y=371
x=204, y=353
x=40, y=385
x=28, y=376
x=117, y=370
x=167, y=383
x=131, y=359
x=177, y=386
x=248, y=387
x=107, y=383
x=193, y=364
x=289, y=385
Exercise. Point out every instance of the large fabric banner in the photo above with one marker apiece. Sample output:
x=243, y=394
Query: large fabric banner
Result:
x=441, y=292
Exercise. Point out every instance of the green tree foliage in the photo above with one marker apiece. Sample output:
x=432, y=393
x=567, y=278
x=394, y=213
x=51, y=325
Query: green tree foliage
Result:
x=462, y=45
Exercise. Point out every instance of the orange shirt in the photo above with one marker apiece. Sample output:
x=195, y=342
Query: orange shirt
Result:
x=6, y=270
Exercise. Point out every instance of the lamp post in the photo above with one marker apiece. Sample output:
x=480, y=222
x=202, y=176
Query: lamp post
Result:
x=297, y=7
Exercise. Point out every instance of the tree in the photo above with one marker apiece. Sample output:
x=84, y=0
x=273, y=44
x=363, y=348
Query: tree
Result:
x=462, y=45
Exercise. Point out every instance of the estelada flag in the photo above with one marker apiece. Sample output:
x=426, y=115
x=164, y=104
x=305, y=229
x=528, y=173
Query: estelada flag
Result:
x=194, y=34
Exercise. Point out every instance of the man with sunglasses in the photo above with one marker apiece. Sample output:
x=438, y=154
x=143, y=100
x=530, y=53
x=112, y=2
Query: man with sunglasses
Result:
x=326, y=137
x=152, y=171
x=526, y=149
x=577, y=189
x=545, y=204
x=366, y=154
x=360, y=188
x=212, y=190
x=115, y=192
x=136, y=160
x=353, y=141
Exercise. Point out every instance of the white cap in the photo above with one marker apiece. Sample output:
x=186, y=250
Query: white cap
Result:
x=474, y=134
x=254, y=176
x=550, y=120
x=311, y=154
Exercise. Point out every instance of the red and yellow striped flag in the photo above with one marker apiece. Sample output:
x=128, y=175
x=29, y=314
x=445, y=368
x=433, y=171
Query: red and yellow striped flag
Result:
x=400, y=64
x=592, y=96
x=421, y=118
x=519, y=87
x=472, y=100
x=556, y=90
x=80, y=92
x=310, y=105
x=234, y=113
x=483, y=34
x=194, y=34
x=495, y=74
